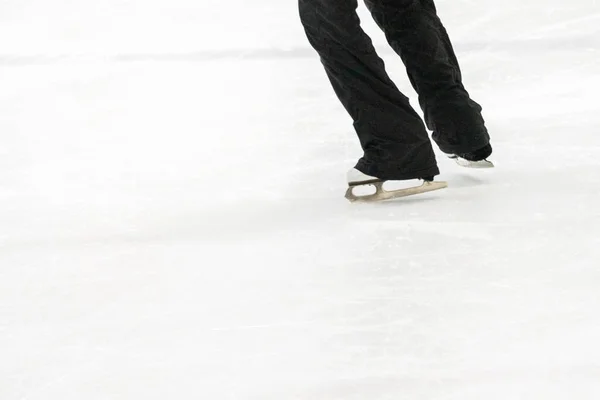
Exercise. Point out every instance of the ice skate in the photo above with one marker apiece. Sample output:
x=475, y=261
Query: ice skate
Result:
x=358, y=179
x=476, y=159
x=481, y=164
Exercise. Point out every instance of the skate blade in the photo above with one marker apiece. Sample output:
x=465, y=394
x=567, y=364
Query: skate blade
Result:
x=382, y=194
x=482, y=164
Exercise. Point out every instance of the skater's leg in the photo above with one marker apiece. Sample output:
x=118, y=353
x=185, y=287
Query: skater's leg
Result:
x=393, y=137
x=416, y=33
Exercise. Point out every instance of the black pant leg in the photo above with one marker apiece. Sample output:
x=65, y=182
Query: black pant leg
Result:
x=394, y=139
x=415, y=32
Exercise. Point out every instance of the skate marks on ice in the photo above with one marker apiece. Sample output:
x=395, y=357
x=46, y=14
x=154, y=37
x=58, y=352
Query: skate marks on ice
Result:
x=131, y=57
x=283, y=53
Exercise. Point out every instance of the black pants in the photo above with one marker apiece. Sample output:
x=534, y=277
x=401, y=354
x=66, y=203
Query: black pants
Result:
x=394, y=139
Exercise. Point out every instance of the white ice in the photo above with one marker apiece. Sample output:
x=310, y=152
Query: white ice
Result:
x=172, y=220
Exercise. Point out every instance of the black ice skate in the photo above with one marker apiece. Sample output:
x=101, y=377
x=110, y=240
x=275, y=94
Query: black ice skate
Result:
x=476, y=159
x=358, y=179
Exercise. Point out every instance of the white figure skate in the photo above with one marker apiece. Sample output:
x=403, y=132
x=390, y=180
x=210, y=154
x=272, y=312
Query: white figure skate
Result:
x=358, y=179
x=481, y=164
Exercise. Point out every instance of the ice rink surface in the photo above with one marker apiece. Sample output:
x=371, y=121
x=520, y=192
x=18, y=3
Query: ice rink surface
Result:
x=172, y=220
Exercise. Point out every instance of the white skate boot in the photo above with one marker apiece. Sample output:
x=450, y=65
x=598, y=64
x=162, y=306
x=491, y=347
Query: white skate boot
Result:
x=476, y=159
x=463, y=162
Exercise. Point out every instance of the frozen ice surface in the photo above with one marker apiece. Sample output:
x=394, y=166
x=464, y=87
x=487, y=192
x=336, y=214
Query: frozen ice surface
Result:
x=172, y=220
